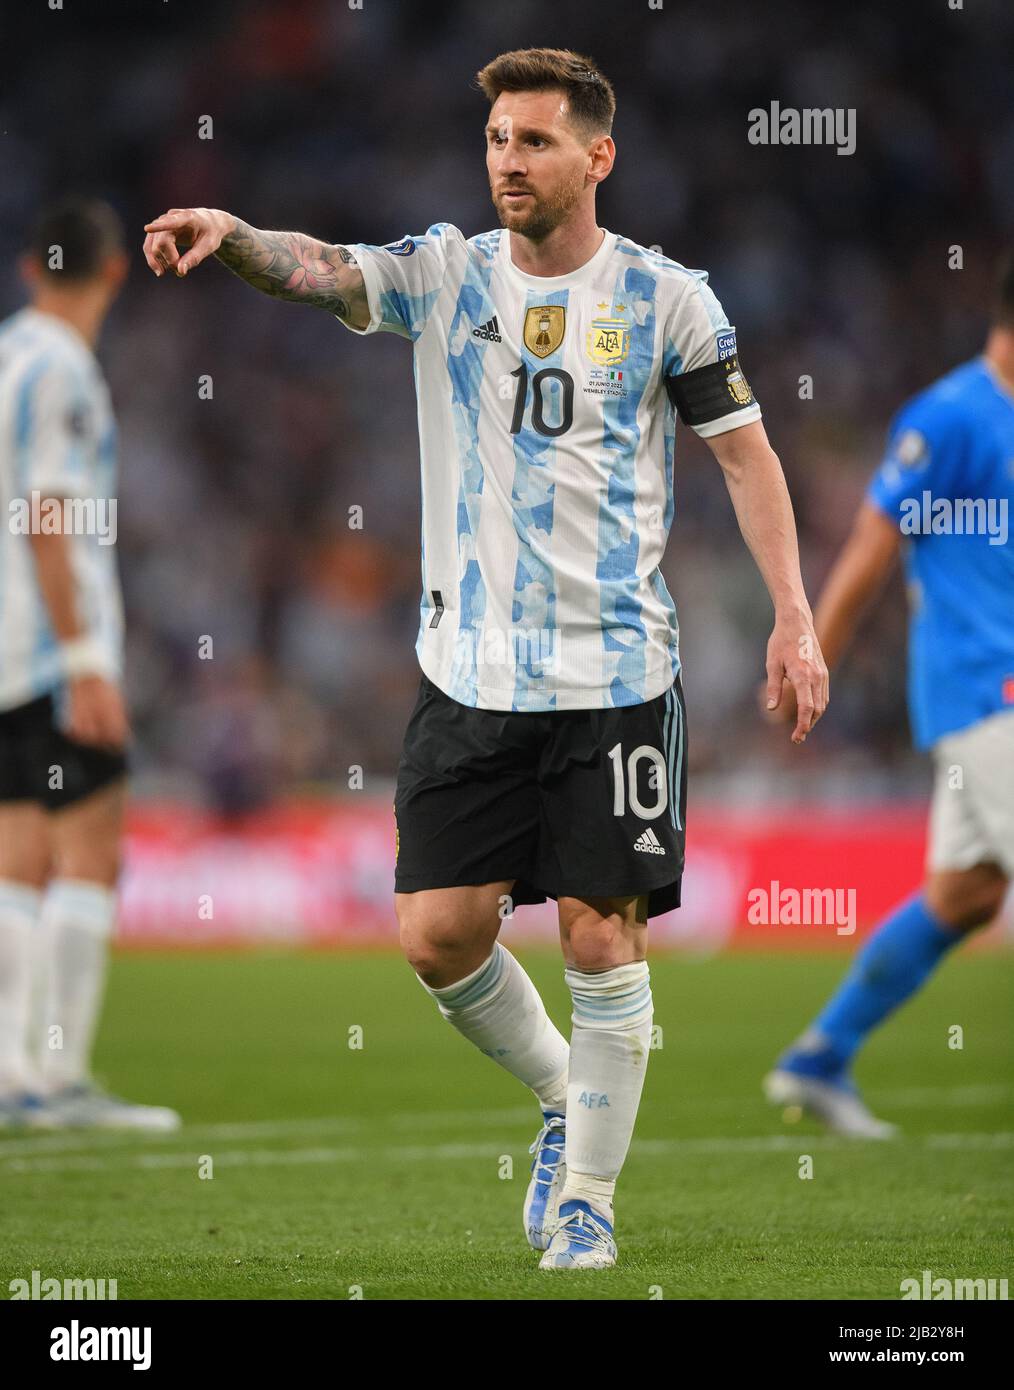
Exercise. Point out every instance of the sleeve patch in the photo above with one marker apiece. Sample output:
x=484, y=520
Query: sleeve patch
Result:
x=710, y=392
x=911, y=450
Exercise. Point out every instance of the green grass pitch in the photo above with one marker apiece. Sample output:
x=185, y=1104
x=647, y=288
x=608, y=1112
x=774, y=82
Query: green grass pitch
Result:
x=384, y=1168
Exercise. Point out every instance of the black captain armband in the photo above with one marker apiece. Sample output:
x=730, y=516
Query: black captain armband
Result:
x=708, y=393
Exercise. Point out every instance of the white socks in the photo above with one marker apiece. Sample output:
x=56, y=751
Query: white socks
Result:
x=597, y=1081
x=608, y=1056
x=77, y=921
x=20, y=905
x=499, y=1009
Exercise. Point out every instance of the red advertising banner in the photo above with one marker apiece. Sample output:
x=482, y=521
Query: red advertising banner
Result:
x=322, y=873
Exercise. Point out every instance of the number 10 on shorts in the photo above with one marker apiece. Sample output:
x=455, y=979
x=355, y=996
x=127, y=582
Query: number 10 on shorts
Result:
x=657, y=781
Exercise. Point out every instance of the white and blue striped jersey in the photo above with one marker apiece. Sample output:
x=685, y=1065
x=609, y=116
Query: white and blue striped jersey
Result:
x=546, y=439
x=57, y=440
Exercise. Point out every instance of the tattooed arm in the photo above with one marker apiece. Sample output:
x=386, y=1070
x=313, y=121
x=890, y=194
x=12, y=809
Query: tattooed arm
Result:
x=286, y=265
x=290, y=265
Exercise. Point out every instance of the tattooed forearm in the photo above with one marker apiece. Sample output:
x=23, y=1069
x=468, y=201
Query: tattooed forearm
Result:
x=289, y=265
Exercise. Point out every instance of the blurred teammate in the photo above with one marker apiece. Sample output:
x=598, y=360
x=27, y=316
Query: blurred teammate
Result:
x=546, y=753
x=63, y=726
x=947, y=487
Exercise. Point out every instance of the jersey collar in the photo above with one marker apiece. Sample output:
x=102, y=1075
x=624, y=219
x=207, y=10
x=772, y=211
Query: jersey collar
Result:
x=54, y=324
x=581, y=276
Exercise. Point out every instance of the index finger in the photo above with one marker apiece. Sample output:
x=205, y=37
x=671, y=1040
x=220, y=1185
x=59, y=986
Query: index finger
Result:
x=168, y=222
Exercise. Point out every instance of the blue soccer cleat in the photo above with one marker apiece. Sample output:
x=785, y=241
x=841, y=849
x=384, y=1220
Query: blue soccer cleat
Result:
x=583, y=1239
x=548, y=1173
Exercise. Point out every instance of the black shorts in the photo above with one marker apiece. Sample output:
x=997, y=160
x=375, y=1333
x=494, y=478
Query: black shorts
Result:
x=569, y=803
x=38, y=762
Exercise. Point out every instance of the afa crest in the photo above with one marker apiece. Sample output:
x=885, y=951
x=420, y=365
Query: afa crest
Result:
x=739, y=387
x=608, y=341
x=545, y=325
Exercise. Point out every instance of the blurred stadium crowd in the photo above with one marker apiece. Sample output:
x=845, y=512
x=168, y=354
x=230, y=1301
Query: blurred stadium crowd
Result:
x=363, y=126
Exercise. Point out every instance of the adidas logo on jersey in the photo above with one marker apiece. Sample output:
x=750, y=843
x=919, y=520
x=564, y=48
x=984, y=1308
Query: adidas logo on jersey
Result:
x=490, y=331
x=648, y=843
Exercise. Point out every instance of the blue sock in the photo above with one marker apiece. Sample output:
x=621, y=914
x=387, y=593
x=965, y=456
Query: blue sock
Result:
x=901, y=954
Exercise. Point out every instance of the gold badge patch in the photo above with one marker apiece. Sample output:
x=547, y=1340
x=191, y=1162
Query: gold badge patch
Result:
x=608, y=341
x=544, y=328
x=739, y=388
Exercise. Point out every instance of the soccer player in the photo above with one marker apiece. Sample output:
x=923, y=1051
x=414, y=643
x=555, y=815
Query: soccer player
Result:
x=943, y=492
x=63, y=724
x=546, y=753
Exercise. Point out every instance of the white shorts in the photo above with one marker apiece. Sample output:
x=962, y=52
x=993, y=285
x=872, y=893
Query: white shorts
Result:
x=972, y=816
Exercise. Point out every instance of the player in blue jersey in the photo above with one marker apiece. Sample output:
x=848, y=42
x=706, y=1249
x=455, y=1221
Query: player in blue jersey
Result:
x=944, y=493
x=63, y=722
x=546, y=753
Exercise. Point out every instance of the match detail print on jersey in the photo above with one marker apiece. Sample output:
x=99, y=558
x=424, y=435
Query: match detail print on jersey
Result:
x=547, y=433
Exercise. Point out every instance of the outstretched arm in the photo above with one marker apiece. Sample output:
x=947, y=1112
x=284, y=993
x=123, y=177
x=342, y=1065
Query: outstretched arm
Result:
x=290, y=265
x=286, y=265
x=756, y=485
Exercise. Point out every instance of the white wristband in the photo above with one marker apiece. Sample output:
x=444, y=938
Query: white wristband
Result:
x=83, y=656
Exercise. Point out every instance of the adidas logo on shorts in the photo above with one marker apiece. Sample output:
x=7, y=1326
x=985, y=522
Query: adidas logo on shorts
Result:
x=489, y=330
x=648, y=843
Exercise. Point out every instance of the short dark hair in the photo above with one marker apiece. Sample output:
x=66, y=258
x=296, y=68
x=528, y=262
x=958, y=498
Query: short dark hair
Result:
x=1003, y=309
x=86, y=230
x=590, y=97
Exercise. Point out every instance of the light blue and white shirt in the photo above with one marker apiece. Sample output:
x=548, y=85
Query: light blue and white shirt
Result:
x=546, y=440
x=57, y=440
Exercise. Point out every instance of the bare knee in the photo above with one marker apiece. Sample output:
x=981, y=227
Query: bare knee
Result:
x=88, y=835
x=431, y=948
x=446, y=934
x=95, y=864
x=25, y=850
x=965, y=899
x=598, y=934
x=98, y=861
